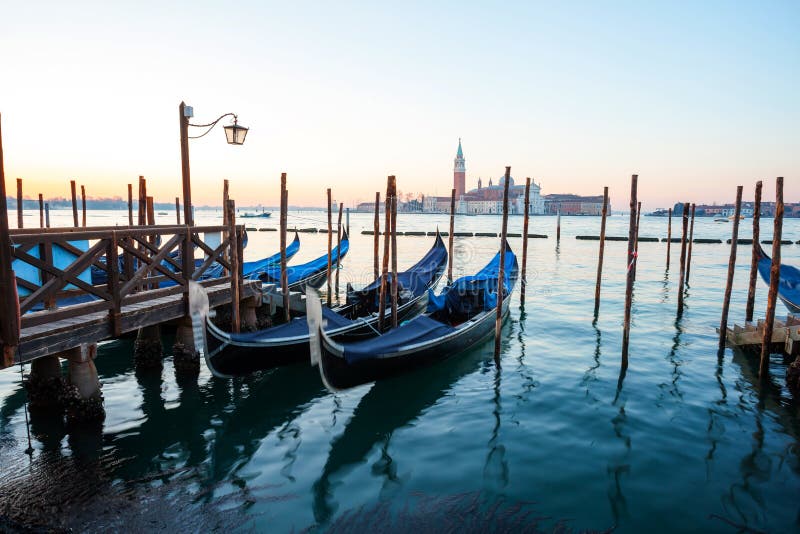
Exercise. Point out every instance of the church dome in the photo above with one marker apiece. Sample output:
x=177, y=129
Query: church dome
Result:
x=503, y=181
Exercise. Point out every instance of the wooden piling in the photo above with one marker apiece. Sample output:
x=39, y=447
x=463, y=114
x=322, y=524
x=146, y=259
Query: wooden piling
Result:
x=130, y=205
x=41, y=211
x=385, y=260
x=395, y=285
x=283, y=222
x=376, y=233
x=142, y=206
x=689, y=252
x=751, y=290
x=225, y=198
x=20, y=222
x=600, y=253
x=626, y=325
x=330, y=246
x=723, y=322
x=558, y=225
x=682, y=277
x=774, y=278
x=178, y=210
x=347, y=221
x=524, y=278
x=450, y=258
x=47, y=215
x=83, y=205
x=636, y=238
x=9, y=326
x=498, y=323
x=230, y=207
x=669, y=233
x=74, y=203
x=338, y=244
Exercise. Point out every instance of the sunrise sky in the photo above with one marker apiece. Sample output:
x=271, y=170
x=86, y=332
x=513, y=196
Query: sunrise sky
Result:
x=695, y=97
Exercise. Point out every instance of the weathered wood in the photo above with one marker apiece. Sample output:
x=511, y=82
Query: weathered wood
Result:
x=177, y=210
x=284, y=274
x=330, y=247
x=47, y=215
x=376, y=235
x=689, y=251
x=385, y=261
x=636, y=238
x=682, y=277
x=558, y=225
x=669, y=233
x=186, y=181
x=235, y=267
x=723, y=322
x=451, y=255
x=130, y=204
x=112, y=262
x=774, y=278
x=142, y=205
x=9, y=326
x=498, y=323
x=83, y=205
x=20, y=201
x=600, y=252
x=338, y=245
x=626, y=325
x=74, y=203
x=41, y=211
x=524, y=278
x=395, y=284
x=751, y=289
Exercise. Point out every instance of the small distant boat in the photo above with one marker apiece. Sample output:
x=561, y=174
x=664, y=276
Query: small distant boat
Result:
x=262, y=215
x=163, y=213
x=788, y=281
x=721, y=220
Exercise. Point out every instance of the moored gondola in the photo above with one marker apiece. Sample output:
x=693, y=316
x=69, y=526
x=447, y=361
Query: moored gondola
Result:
x=229, y=354
x=788, y=284
x=462, y=316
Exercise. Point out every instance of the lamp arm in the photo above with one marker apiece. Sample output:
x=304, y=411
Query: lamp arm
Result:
x=210, y=125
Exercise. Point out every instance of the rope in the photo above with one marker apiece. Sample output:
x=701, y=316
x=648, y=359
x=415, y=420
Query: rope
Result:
x=634, y=255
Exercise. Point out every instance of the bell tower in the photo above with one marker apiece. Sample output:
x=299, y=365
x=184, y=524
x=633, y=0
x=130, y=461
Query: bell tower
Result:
x=459, y=172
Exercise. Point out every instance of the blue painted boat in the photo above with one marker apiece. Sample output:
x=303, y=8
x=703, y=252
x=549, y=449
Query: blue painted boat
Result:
x=788, y=281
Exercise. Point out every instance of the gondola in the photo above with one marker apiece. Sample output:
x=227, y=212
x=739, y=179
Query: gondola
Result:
x=789, y=281
x=230, y=354
x=459, y=318
x=252, y=269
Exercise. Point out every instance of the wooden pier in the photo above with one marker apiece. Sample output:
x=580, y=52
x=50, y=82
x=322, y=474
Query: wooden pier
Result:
x=785, y=336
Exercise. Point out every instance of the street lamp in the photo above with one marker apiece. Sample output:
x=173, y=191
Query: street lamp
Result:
x=234, y=135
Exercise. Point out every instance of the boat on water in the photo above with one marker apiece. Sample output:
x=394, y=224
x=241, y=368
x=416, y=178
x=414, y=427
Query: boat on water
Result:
x=256, y=215
x=721, y=220
x=228, y=354
x=460, y=317
x=788, y=281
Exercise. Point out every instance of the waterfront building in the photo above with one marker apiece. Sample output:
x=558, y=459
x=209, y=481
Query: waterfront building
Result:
x=574, y=204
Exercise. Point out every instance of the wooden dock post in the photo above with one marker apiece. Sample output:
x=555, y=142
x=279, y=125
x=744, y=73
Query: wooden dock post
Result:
x=376, y=233
x=47, y=214
x=9, y=326
x=450, y=236
x=41, y=211
x=330, y=246
x=682, y=277
x=751, y=290
x=669, y=233
x=689, y=251
x=774, y=278
x=74, y=203
x=130, y=205
x=636, y=238
x=394, y=251
x=723, y=322
x=178, y=210
x=385, y=260
x=225, y=197
x=626, y=326
x=347, y=221
x=230, y=207
x=600, y=252
x=498, y=323
x=524, y=278
x=20, y=202
x=83, y=205
x=558, y=225
x=142, y=206
x=338, y=244
x=186, y=180
x=283, y=222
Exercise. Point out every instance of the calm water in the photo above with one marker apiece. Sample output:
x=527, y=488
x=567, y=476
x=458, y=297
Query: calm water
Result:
x=686, y=442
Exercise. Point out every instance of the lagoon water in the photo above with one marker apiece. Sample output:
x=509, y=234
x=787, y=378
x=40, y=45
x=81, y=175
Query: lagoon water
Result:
x=686, y=442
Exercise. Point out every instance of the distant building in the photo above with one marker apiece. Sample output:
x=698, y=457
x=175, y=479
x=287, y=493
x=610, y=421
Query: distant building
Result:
x=573, y=205
x=459, y=171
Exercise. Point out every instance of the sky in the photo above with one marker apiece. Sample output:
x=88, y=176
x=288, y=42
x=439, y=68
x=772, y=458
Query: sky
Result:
x=694, y=97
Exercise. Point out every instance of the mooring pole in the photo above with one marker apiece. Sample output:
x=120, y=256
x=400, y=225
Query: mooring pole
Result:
x=347, y=221
x=385, y=260
x=689, y=252
x=186, y=180
x=130, y=205
x=498, y=322
x=723, y=322
x=41, y=211
x=558, y=225
x=376, y=234
x=178, y=210
x=394, y=251
x=330, y=246
x=9, y=326
x=450, y=236
x=283, y=223
x=74, y=203
x=626, y=326
x=751, y=290
x=142, y=206
x=774, y=279
x=230, y=207
x=636, y=238
x=225, y=197
x=338, y=245
x=83, y=204
x=47, y=214
x=601, y=253
x=669, y=233
x=20, y=223
x=524, y=279
x=682, y=277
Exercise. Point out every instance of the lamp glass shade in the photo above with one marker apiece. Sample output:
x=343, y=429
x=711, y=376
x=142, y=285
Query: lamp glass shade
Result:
x=235, y=134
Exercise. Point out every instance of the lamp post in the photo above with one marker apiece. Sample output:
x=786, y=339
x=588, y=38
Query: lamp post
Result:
x=234, y=135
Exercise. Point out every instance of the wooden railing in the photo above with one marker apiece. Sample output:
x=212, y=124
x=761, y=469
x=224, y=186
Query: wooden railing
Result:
x=140, y=264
